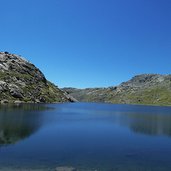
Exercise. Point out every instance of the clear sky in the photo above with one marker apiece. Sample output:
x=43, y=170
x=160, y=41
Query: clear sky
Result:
x=89, y=43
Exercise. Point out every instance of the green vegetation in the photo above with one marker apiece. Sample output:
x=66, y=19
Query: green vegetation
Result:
x=148, y=89
x=22, y=82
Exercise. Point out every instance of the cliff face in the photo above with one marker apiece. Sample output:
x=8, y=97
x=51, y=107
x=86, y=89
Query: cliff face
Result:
x=21, y=81
x=142, y=89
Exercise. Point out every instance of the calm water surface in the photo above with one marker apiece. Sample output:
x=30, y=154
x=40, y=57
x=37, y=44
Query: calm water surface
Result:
x=86, y=136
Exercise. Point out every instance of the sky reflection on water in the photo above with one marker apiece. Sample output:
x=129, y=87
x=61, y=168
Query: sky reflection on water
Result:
x=86, y=136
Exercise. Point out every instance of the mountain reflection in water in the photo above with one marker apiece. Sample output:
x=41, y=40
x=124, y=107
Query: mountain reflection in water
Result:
x=151, y=124
x=86, y=136
x=19, y=121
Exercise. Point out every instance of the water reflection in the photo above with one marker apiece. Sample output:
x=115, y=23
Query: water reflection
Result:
x=150, y=124
x=92, y=136
x=18, y=122
x=149, y=120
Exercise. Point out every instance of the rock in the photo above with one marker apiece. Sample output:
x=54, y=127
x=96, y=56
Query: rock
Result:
x=16, y=94
x=18, y=102
x=4, y=101
x=22, y=81
x=15, y=91
x=37, y=101
x=42, y=99
x=3, y=86
x=65, y=168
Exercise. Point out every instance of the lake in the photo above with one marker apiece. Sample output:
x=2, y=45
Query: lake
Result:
x=86, y=136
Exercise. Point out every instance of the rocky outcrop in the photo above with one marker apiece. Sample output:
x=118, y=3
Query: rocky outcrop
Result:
x=21, y=81
x=152, y=89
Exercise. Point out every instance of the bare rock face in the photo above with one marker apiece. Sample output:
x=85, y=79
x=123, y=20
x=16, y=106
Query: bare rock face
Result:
x=144, y=80
x=20, y=80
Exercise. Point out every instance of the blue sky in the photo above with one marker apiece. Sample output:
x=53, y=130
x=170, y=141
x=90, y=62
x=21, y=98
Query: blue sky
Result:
x=89, y=43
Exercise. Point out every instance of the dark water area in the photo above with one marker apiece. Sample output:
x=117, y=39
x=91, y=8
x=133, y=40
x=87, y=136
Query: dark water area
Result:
x=86, y=136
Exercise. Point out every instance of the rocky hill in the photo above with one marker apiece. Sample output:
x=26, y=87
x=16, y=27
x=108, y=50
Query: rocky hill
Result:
x=152, y=89
x=21, y=81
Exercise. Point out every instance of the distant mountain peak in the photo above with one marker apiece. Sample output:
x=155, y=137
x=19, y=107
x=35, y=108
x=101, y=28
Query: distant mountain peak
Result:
x=153, y=89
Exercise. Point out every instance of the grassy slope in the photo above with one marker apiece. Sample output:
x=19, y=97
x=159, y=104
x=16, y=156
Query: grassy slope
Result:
x=151, y=94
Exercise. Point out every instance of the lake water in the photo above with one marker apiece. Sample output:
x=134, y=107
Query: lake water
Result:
x=86, y=136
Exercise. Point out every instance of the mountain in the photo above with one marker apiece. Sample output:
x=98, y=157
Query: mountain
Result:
x=21, y=81
x=151, y=89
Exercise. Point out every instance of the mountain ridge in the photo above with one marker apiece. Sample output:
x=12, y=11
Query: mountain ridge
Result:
x=22, y=82
x=149, y=89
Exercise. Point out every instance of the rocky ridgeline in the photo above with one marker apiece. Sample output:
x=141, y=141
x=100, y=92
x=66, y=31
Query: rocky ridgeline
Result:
x=145, y=80
x=152, y=89
x=21, y=81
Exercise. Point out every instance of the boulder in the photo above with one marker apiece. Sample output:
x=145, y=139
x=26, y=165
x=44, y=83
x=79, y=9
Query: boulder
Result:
x=4, y=101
